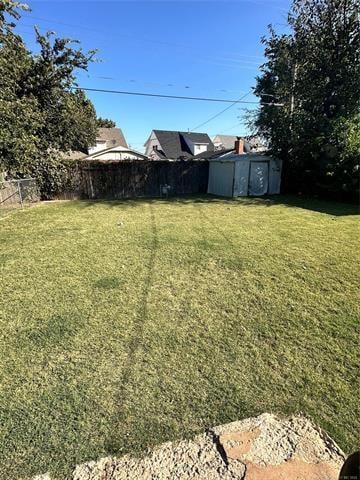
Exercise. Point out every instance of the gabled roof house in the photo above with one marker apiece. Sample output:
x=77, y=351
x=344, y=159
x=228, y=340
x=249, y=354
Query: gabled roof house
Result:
x=224, y=142
x=172, y=145
x=108, y=138
x=254, y=142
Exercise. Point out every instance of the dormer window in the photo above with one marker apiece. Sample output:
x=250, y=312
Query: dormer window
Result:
x=199, y=148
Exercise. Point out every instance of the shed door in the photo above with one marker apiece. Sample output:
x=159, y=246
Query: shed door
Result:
x=259, y=175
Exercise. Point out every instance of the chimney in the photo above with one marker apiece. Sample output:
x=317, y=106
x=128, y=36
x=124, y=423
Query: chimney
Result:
x=239, y=146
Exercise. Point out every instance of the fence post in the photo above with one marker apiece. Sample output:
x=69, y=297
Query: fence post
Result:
x=19, y=188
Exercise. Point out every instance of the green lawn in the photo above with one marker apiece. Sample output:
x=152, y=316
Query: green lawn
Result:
x=190, y=313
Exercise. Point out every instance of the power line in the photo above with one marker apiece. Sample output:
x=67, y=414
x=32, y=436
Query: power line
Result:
x=105, y=34
x=222, y=111
x=169, y=84
x=231, y=128
x=227, y=130
x=177, y=97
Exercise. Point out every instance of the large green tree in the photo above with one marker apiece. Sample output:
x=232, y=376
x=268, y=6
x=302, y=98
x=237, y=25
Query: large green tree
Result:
x=314, y=74
x=19, y=115
x=105, y=122
x=40, y=112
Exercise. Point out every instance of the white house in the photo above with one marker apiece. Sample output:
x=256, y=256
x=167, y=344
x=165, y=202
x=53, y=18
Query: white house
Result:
x=172, y=145
x=117, y=153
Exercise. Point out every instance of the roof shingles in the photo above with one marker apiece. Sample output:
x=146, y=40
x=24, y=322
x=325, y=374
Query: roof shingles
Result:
x=174, y=144
x=113, y=137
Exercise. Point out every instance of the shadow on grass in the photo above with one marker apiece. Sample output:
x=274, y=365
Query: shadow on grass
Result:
x=108, y=283
x=50, y=332
x=329, y=207
x=292, y=201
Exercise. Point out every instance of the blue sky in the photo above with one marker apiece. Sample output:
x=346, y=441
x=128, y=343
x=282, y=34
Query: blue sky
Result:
x=203, y=48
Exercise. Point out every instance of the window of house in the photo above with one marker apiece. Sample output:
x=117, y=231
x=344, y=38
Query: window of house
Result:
x=198, y=148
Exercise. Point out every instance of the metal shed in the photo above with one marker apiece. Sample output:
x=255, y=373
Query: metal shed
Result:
x=234, y=175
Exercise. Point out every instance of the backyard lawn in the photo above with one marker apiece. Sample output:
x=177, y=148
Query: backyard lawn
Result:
x=126, y=324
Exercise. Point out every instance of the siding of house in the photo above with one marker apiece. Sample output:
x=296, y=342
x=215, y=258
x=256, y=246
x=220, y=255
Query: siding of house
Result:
x=151, y=143
x=116, y=155
x=100, y=145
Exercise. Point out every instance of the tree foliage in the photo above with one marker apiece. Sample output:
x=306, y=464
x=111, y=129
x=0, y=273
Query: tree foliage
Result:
x=9, y=12
x=105, y=122
x=314, y=72
x=40, y=113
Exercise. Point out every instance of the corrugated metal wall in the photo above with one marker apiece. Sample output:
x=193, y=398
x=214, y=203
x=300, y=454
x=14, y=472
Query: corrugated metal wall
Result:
x=221, y=178
x=253, y=175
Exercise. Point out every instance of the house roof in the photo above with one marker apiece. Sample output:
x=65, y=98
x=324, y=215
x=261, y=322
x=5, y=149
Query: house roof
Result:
x=73, y=155
x=173, y=144
x=112, y=136
x=160, y=154
x=227, y=141
x=255, y=142
x=197, y=137
x=225, y=152
x=212, y=154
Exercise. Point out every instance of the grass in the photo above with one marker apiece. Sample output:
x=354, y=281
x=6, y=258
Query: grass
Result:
x=125, y=324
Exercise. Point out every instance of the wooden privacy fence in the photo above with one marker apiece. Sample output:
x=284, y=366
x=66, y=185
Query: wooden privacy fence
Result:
x=142, y=178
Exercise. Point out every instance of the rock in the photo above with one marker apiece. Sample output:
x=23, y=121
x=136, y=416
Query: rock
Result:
x=293, y=470
x=259, y=448
x=196, y=459
x=237, y=444
x=281, y=449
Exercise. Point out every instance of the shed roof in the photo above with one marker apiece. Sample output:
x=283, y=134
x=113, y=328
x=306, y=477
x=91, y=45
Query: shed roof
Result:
x=211, y=154
x=231, y=156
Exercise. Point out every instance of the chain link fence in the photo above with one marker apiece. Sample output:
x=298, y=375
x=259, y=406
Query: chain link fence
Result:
x=17, y=193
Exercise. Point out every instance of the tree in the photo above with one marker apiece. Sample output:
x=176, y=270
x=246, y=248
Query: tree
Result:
x=69, y=117
x=105, y=122
x=315, y=73
x=41, y=114
x=9, y=9
x=18, y=115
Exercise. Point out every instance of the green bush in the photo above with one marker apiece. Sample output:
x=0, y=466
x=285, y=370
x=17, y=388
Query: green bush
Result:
x=56, y=176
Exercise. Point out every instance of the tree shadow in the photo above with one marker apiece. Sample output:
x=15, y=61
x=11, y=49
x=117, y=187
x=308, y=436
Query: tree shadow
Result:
x=329, y=207
x=104, y=202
